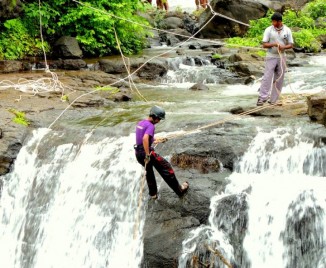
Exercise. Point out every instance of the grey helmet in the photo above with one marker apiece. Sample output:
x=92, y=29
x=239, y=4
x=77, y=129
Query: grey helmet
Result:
x=157, y=112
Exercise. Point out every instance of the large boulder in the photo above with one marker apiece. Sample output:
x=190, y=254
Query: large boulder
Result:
x=241, y=10
x=247, y=64
x=67, y=47
x=142, y=67
x=172, y=23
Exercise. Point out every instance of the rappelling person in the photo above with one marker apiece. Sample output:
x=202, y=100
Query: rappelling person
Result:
x=147, y=157
x=277, y=38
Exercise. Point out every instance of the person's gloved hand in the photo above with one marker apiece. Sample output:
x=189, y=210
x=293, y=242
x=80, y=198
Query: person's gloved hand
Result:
x=147, y=159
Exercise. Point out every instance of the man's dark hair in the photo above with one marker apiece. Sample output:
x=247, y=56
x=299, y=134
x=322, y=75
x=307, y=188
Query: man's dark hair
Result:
x=277, y=16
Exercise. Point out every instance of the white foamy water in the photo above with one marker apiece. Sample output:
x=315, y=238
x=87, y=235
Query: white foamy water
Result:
x=72, y=206
x=283, y=179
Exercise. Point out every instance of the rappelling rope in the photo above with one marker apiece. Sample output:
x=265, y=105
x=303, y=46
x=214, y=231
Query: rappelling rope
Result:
x=140, y=200
x=131, y=81
x=224, y=120
x=221, y=257
x=226, y=17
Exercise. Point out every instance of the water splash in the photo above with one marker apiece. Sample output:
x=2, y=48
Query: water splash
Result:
x=72, y=205
x=272, y=213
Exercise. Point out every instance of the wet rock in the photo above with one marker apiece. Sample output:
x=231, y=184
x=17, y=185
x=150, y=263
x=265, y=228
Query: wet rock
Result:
x=71, y=64
x=199, y=86
x=153, y=38
x=239, y=10
x=204, y=164
x=190, y=24
x=12, y=66
x=67, y=47
x=150, y=70
x=218, y=143
x=11, y=142
x=317, y=107
x=172, y=23
x=302, y=239
x=170, y=218
x=247, y=64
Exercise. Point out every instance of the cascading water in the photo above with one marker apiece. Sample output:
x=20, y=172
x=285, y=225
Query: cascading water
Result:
x=272, y=211
x=72, y=205
x=194, y=70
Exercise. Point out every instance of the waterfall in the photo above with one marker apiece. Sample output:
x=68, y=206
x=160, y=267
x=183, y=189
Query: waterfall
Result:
x=72, y=205
x=272, y=213
x=194, y=70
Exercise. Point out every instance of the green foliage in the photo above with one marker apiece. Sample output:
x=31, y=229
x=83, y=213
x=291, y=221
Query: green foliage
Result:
x=112, y=90
x=316, y=9
x=19, y=118
x=178, y=10
x=297, y=19
x=16, y=42
x=303, y=21
x=217, y=56
x=258, y=26
x=93, y=23
x=306, y=39
x=65, y=98
x=245, y=42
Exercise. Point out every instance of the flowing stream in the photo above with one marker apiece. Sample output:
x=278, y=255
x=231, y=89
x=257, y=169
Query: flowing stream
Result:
x=73, y=201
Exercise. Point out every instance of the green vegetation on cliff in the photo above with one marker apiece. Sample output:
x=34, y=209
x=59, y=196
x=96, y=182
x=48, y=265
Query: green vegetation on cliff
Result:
x=307, y=24
x=92, y=22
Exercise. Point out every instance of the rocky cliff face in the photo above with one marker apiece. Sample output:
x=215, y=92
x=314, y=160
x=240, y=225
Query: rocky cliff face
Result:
x=238, y=10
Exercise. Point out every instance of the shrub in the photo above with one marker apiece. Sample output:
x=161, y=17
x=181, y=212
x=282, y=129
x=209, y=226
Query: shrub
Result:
x=306, y=40
x=315, y=9
x=17, y=43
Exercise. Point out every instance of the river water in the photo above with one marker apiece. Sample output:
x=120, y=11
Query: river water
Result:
x=74, y=199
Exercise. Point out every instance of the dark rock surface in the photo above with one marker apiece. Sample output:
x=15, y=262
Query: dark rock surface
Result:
x=317, y=107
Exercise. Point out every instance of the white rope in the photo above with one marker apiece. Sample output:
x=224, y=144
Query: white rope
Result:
x=41, y=33
x=226, y=17
x=130, y=74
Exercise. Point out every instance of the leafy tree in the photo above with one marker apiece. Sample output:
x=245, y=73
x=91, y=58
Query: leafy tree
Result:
x=93, y=23
x=16, y=41
x=316, y=9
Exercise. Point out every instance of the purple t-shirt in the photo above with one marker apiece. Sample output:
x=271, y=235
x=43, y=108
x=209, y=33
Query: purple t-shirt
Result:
x=144, y=127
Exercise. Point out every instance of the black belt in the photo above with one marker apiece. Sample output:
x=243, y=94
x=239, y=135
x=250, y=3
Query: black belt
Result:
x=140, y=147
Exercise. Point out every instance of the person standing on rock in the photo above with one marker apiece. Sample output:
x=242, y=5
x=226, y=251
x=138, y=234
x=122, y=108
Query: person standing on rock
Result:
x=203, y=3
x=147, y=157
x=277, y=38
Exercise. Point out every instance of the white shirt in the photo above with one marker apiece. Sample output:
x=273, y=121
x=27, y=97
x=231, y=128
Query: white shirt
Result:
x=283, y=37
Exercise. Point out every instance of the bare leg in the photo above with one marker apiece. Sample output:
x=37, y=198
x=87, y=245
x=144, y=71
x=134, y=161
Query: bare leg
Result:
x=203, y=3
x=159, y=4
x=166, y=5
x=197, y=4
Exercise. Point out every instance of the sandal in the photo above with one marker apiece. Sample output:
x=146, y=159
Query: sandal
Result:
x=184, y=188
